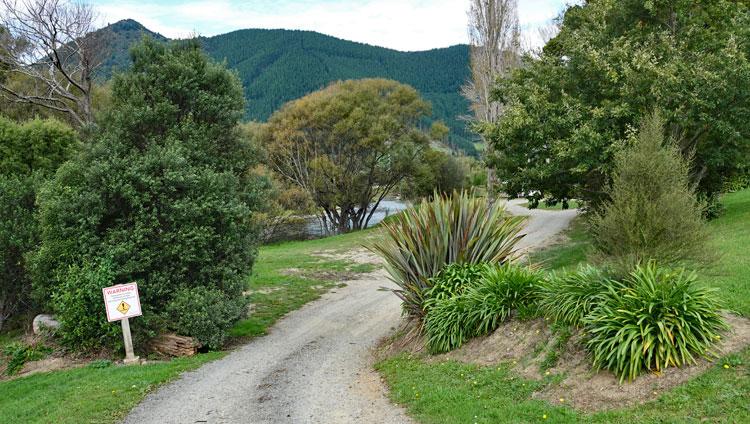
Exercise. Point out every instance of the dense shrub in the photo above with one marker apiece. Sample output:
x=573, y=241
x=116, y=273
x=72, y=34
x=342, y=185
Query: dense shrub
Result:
x=38, y=145
x=18, y=236
x=446, y=324
x=566, y=298
x=77, y=303
x=653, y=213
x=162, y=193
x=655, y=319
x=481, y=306
x=437, y=172
x=460, y=228
x=451, y=281
x=738, y=183
x=205, y=314
x=29, y=153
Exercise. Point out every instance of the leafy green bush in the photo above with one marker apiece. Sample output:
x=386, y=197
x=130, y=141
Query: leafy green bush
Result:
x=738, y=183
x=29, y=153
x=451, y=281
x=19, y=354
x=205, y=314
x=655, y=319
x=79, y=308
x=480, y=306
x=162, y=193
x=654, y=213
x=458, y=228
x=446, y=324
x=18, y=236
x=502, y=290
x=566, y=298
x=35, y=146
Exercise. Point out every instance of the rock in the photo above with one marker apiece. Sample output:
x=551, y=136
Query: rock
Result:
x=174, y=345
x=44, y=324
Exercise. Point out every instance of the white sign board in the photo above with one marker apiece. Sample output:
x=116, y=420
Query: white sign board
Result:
x=122, y=301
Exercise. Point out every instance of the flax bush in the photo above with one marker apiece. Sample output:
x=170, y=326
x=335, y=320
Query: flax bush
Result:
x=459, y=228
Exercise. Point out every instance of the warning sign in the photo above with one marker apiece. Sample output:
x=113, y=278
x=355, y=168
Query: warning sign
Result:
x=122, y=301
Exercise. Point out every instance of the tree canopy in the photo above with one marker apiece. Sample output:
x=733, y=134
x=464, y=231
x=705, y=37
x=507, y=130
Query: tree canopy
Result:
x=349, y=145
x=570, y=109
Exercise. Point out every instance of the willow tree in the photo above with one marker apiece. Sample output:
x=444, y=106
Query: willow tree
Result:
x=348, y=146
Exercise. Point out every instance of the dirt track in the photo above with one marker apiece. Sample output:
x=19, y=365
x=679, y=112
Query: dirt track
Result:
x=314, y=366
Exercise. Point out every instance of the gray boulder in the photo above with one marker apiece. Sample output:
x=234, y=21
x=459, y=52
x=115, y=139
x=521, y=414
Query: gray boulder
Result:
x=45, y=324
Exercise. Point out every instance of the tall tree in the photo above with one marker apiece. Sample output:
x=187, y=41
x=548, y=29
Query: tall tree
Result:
x=495, y=44
x=571, y=109
x=45, y=41
x=348, y=146
x=161, y=196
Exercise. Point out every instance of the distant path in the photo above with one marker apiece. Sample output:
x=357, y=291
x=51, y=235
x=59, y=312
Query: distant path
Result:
x=314, y=366
x=543, y=226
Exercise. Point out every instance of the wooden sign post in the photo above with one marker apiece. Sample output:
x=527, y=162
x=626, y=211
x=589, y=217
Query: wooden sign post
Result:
x=123, y=302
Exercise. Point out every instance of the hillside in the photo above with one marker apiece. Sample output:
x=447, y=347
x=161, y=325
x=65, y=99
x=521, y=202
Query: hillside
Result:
x=277, y=66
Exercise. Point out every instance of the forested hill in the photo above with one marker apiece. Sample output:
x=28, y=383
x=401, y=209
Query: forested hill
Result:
x=277, y=66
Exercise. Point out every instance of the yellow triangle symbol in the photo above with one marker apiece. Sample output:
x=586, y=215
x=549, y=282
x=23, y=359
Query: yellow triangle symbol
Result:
x=123, y=307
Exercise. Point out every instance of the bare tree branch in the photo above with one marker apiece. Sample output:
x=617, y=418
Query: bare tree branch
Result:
x=46, y=41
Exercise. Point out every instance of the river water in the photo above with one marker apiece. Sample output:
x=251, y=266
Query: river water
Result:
x=385, y=209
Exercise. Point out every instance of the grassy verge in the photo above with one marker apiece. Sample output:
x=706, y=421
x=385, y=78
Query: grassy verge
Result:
x=285, y=277
x=453, y=392
x=568, y=254
x=87, y=395
x=731, y=238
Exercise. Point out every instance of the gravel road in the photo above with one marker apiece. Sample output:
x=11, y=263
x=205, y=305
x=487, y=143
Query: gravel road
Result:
x=314, y=366
x=543, y=225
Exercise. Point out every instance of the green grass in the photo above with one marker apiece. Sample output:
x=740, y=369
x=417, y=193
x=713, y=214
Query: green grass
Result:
x=87, y=395
x=731, y=275
x=91, y=395
x=570, y=253
x=446, y=393
x=452, y=392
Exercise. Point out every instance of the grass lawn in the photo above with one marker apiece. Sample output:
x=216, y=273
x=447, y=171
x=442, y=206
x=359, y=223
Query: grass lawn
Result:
x=87, y=395
x=569, y=254
x=453, y=392
x=731, y=275
x=92, y=395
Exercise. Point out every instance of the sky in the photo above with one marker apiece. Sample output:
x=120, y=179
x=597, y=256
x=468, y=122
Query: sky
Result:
x=406, y=25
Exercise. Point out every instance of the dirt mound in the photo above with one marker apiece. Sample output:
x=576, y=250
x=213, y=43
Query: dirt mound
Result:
x=526, y=345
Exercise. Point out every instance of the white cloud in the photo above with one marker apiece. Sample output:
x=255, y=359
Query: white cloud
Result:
x=398, y=24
